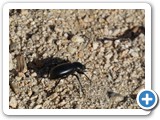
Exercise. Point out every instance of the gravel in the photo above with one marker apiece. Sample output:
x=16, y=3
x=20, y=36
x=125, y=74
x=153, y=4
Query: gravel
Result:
x=71, y=35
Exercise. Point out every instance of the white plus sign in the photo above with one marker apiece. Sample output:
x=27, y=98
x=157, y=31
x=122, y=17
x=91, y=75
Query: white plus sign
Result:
x=147, y=99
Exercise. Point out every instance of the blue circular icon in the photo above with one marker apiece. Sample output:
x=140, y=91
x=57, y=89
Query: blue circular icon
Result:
x=147, y=99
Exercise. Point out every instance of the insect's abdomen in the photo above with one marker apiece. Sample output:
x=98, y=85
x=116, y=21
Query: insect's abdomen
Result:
x=62, y=70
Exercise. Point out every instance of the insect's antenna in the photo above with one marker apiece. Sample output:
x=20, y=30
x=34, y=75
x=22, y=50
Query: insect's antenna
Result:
x=88, y=78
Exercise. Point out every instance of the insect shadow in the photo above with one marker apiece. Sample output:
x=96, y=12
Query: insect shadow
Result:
x=43, y=66
x=57, y=69
x=128, y=34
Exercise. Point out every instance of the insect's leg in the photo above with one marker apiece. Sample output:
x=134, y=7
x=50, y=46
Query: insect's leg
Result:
x=88, y=78
x=81, y=89
x=82, y=72
x=50, y=92
x=57, y=82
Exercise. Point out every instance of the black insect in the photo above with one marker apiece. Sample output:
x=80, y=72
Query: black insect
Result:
x=65, y=69
x=57, y=69
x=130, y=33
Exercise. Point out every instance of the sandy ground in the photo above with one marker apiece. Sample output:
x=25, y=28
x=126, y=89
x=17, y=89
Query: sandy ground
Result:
x=39, y=37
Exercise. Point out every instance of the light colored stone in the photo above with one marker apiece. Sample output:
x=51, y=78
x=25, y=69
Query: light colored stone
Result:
x=38, y=107
x=77, y=39
x=24, y=12
x=13, y=102
x=135, y=54
x=34, y=74
x=30, y=93
x=71, y=49
x=18, y=78
x=95, y=45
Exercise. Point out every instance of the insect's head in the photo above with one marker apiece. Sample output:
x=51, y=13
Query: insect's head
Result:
x=80, y=68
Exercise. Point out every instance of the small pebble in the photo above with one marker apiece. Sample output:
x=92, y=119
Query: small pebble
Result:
x=71, y=49
x=34, y=74
x=35, y=89
x=13, y=102
x=95, y=45
x=37, y=107
x=77, y=39
x=14, y=87
x=18, y=78
x=135, y=54
x=30, y=93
